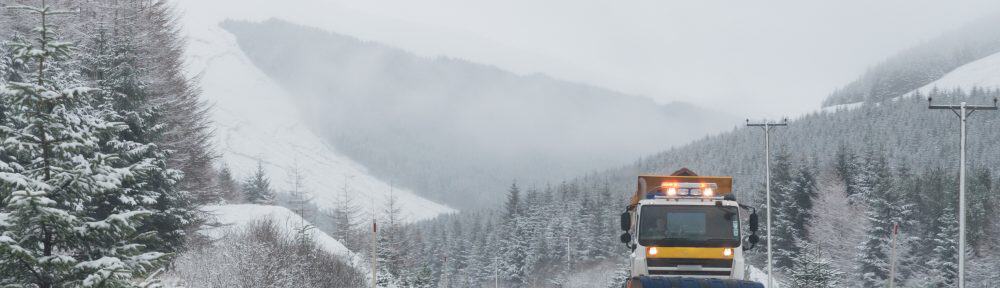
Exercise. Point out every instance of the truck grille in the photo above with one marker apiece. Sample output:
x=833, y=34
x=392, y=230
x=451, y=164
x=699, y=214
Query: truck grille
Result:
x=689, y=267
x=674, y=262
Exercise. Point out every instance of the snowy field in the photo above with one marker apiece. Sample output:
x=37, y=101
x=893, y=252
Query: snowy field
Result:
x=255, y=119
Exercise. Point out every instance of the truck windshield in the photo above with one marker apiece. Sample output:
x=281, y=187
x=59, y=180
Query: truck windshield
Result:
x=689, y=226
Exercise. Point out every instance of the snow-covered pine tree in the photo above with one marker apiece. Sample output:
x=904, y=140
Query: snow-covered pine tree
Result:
x=423, y=278
x=392, y=244
x=811, y=270
x=844, y=163
x=943, y=265
x=934, y=191
x=785, y=210
x=109, y=60
x=566, y=232
x=476, y=261
x=514, y=242
x=185, y=114
x=886, y=206
x=458, y=256
x=513, y=204
x=300, y=199
x=257, y=188
x=980, y=207
x=345, y=214
x=793, y=192
x=867, y=173
x=587, y=225
x=227, y=186
x=804, y=181
x=10, y=65
x=54, y=163
x=535, y=219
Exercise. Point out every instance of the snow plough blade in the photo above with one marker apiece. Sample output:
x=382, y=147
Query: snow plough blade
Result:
x=684, y=282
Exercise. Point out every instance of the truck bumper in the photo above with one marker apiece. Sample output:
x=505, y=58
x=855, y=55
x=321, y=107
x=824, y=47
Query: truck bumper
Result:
x=686, y=282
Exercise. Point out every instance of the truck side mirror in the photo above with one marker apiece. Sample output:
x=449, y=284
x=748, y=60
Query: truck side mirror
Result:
x=754, y=222
x=626, y=221
x=625, y=238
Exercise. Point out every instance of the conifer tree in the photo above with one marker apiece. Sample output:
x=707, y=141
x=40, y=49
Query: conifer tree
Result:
x=886, y=206
x=392, y=245
x=344, y=214
x=805, y=193
x=300, y=200
x=811, y=270
x=784, y=210
x=844, y=164
x=257, y=188
x=513, y=244
x=55, y=162
x=943, y=263
x=185, y=115
x=227, y=186
x=980, y=206
x=110, y=61
x=513, y=201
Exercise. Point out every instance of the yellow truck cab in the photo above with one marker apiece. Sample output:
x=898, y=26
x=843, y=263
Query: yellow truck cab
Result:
x=686, y=225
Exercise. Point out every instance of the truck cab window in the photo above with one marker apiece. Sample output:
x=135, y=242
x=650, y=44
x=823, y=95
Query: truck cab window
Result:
x=693, y=225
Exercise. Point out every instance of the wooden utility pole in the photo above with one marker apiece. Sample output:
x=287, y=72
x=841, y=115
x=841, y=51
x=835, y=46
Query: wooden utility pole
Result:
x=892, y=256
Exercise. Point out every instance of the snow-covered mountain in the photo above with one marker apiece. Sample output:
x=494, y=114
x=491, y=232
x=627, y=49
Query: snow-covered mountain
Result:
x=444, y=126
x=982, y=73
x=255, y=119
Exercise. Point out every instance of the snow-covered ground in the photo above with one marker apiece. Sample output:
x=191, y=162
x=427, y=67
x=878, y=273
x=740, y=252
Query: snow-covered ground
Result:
x=255, y=119
x=234, y=216
x=984, y=73
x=842, y=107
x=225, y=218
x=760, y=276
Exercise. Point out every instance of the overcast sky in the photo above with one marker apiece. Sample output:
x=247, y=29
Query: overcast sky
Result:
x=763, y=57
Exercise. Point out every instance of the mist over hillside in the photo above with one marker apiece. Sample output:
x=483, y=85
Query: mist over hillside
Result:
x=922, y=64
x=456, y=131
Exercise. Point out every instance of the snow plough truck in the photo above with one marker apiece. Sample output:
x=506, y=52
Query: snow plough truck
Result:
x=684, y=231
